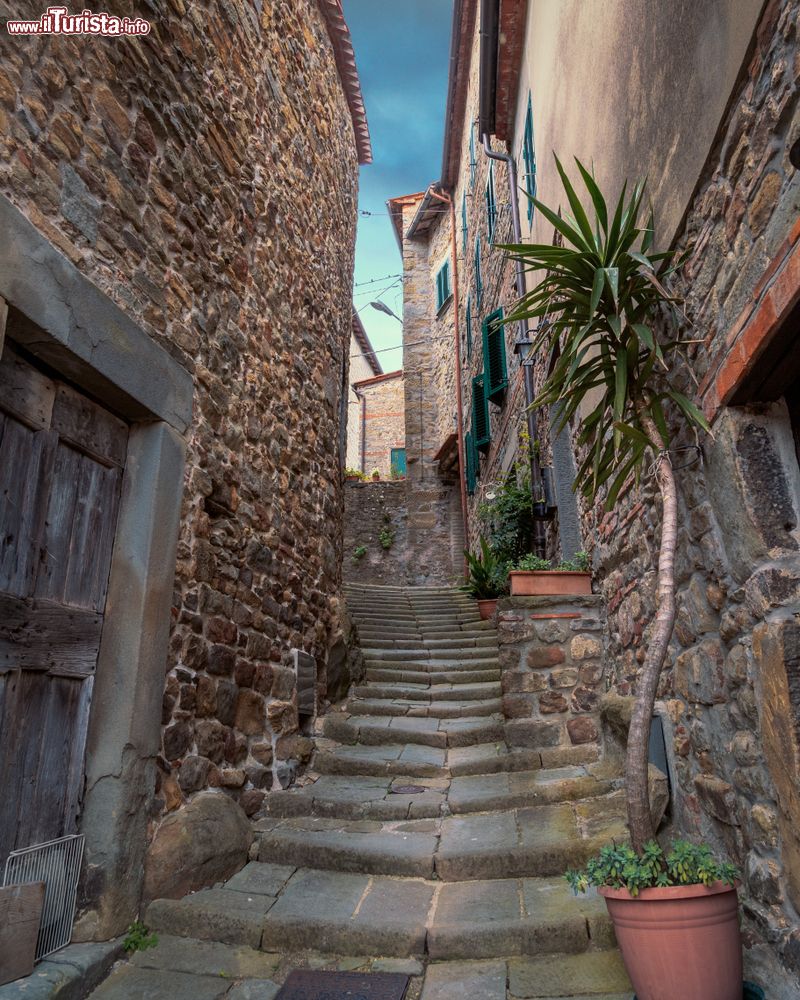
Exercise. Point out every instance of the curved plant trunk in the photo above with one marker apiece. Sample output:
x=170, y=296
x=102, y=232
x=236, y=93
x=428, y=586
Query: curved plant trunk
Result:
x=636, y=784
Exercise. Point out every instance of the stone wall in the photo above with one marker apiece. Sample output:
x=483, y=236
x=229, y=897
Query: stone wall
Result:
x=192, y=174
x=384, y=422
x=731, y=674
x=551, y=658
x=425, y=529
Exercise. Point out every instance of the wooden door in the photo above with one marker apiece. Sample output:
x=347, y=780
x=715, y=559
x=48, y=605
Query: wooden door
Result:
x=61, y=462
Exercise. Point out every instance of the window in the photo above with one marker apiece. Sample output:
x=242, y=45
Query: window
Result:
x=478, y=276
x=398, y=462
x=469, y=327
x=473, y=163
x=491, y=206
x=464, y=227
x=494, y=357
x=480, y=415
x=529, y=158
x=470, y=461
x=442, y=285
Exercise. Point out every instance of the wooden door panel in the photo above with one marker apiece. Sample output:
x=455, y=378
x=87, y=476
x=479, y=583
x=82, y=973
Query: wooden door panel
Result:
x=47, y=637
x=26, y=461
x=61, y=465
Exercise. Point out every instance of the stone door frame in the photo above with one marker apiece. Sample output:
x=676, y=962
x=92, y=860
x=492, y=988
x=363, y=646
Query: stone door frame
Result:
x=67, y=322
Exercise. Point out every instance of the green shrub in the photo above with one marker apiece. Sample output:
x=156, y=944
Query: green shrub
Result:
x=620, y=867
x=531, y=563
x=386, y=536
x=139, y=938
x=359, y=552
x=488, y=575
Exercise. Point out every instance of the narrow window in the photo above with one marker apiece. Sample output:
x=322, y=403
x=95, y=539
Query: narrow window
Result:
x=529, y=159
x=464, y=227
x=491, y=205
x=494, y=357
x=442, y=285
x=473, y=163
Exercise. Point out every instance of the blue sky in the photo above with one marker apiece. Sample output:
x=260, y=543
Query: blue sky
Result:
x=402, y=49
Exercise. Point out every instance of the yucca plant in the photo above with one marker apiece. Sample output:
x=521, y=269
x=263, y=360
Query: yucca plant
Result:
x=597, y=303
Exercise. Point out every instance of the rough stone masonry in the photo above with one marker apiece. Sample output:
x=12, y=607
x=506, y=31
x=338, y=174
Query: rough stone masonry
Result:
x=193, y=174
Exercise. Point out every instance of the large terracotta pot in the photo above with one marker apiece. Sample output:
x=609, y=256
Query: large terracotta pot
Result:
x=679, y=943
x=487, y=608
x=555, y=582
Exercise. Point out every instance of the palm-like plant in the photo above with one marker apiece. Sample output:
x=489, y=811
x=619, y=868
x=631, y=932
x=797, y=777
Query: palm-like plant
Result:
x=597, y=305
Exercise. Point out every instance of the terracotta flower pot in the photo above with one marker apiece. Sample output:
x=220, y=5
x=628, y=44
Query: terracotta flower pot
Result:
x=556, y=582
x=679, y=942
x=487, y=608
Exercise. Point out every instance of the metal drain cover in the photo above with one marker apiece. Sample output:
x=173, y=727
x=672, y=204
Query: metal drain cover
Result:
x=408, y=789
x=309, y=984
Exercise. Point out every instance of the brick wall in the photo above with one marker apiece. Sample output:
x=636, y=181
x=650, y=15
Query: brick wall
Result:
x=384, y=421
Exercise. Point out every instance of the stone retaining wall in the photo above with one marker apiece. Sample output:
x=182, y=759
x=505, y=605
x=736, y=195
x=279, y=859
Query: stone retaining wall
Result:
x=551, y=658
x=426, y=548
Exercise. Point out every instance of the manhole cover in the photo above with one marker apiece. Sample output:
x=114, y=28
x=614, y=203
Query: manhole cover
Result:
x=306, y=984
x=408, y=789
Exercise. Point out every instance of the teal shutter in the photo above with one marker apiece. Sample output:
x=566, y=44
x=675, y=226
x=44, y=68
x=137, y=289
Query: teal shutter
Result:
x=491, y=206
x=442, y=285
x=473, y=163
x=469, y=462
x=464, y=227
x=494, y=357
x=529, y=158
x=469, y=327
x=478, y=275
x=480, y=415
x=398, y=460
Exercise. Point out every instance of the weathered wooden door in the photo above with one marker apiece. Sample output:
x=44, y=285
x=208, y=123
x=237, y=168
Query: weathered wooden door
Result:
x=61, y=461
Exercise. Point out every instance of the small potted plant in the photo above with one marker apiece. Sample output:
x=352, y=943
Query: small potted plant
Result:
x=352, y=475
x=376, y=474
x=487, y=579
x=671, y=914
x=535, y=576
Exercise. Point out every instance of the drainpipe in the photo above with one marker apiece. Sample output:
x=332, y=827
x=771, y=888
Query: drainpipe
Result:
x=537, y=482
x=363, y=400
x=459, y=402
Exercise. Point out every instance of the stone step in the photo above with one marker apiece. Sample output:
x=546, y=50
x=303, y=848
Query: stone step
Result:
x=373, y=730
x=440, y=654
x=541, y=840
x=390, y=674
x=472, y=631
x=415, y=693
x=489, y=758
x=413, y=760
x=359, y=797
x=445, y=605
x=432, y=644
x=519, y=789
x=281, y=909
x=419, y=621
x=431, y=710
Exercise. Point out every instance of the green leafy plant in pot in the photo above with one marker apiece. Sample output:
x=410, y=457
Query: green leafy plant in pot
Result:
x=533, y=576
x=597, y=307
x=488, y=578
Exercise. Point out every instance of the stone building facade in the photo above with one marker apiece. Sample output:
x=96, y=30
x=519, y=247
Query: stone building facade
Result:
x=364, y=364
x=382, y=424
x=716, y=151
x=160, y=195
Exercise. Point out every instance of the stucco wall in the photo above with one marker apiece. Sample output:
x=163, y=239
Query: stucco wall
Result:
x=360, y=369
x=192, y=174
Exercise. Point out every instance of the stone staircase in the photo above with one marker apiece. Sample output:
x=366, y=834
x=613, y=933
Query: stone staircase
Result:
x=420, y=834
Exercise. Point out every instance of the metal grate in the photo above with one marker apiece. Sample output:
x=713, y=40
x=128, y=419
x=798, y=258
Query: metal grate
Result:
x=58, y=864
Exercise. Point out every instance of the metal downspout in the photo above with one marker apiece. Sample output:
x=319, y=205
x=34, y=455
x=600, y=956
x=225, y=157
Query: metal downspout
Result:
x=459, y=402
x=537, y=482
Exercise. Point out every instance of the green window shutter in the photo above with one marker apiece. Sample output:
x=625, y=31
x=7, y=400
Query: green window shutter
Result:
x=491, y=206
x=464, y=227
x=473, y=163
x=494, y=357
x=398, y=460
x=529, y=158
x=469, y=327
x=469, y=461
x=442, y=285
x=478, y=275
x=480, y=415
